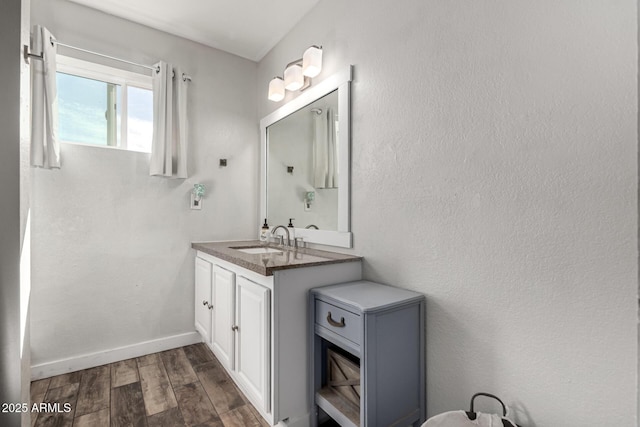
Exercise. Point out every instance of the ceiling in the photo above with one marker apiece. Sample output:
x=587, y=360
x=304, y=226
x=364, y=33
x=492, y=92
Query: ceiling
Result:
x=247, y=28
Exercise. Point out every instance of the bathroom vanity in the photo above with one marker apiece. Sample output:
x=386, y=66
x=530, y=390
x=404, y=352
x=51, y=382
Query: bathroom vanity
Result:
x=251, y=309
x=252, y=300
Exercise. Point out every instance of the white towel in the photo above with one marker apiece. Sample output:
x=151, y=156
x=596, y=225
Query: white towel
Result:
x=45, y=147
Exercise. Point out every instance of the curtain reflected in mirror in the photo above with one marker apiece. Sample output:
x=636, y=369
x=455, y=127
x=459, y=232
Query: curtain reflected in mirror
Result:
x=325, y=158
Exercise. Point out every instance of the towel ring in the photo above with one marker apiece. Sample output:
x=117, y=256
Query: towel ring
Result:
x=504, y=408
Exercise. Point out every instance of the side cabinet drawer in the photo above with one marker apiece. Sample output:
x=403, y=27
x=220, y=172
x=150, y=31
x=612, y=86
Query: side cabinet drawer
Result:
x=339, y=321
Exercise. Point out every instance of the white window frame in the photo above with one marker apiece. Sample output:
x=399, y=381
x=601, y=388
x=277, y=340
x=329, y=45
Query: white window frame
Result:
x=107, y=74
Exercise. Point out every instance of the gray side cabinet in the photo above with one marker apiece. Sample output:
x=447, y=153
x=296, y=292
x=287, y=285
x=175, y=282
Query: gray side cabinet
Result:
x=379, y=331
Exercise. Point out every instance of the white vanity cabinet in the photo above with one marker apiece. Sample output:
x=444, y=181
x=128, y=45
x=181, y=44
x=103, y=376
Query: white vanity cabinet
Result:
x=253, y=304
x=215, y=287
x=203, y=298
x=223, y=290
x=257, y=328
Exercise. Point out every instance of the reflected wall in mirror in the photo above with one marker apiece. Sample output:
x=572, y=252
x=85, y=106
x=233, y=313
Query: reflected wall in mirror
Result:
x=302, y=166
x=306, y=165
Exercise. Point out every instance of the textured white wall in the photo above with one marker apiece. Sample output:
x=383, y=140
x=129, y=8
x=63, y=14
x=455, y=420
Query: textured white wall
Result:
x=291, y=144
x=111, y=245
x=495, y=169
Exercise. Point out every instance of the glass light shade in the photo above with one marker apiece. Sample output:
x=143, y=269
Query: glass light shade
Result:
x=276, y=89
x=312, y=61
x=293, y=78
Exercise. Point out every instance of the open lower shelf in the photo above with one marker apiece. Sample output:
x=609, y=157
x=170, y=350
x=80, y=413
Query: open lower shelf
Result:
x=338, y=408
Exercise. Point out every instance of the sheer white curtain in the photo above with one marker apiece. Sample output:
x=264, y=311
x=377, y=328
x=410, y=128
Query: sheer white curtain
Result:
x=45, y=147
x=332, y=149
x=169, y=148
x=325, y=162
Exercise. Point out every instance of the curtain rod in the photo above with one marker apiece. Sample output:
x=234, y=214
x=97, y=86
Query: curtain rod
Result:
x=148, y=67
x=28, y=55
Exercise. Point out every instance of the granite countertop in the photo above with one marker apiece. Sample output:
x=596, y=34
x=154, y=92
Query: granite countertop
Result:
x=267, y=263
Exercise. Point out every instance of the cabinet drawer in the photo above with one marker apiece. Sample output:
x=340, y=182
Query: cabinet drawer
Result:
x=339, y=321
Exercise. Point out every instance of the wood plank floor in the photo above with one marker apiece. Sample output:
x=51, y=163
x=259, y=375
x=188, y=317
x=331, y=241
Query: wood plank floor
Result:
x=186, y=386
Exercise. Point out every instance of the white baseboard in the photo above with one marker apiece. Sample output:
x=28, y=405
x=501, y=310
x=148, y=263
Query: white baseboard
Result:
x=84, y=361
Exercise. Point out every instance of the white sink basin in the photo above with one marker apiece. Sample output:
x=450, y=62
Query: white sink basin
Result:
x=259, y=250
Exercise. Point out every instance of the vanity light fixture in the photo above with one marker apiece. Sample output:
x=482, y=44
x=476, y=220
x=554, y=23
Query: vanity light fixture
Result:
x=293, y=77
x=276, y=89
x=312, y=61
x=297, y=74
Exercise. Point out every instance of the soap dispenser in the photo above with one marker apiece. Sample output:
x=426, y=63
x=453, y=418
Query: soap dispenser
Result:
x=264, y=232
x=292, y=230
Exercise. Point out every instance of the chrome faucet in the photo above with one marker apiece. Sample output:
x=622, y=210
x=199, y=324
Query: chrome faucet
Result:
x=286, y=230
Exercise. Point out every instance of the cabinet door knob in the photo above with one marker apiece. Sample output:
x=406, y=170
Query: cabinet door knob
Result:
x=204, y=302
x=332, y=322
x=210, y=306
x=234, y=328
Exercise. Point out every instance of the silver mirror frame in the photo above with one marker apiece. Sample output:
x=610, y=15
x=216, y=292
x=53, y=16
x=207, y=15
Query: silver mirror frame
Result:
x=340, y=81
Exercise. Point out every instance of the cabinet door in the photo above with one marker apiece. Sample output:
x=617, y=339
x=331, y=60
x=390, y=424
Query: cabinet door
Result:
x=203, y=299
x=253, y=341
x=222, y=340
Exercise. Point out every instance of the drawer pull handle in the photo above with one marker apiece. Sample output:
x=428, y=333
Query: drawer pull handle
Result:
x=332, y=322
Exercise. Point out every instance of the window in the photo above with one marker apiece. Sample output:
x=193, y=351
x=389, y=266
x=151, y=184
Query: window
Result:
x=103, y=106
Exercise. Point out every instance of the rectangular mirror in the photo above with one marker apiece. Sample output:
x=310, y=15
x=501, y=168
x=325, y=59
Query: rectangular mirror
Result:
x=305, y=163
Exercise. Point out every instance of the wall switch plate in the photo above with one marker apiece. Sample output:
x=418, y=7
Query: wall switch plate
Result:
x=195, y=204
